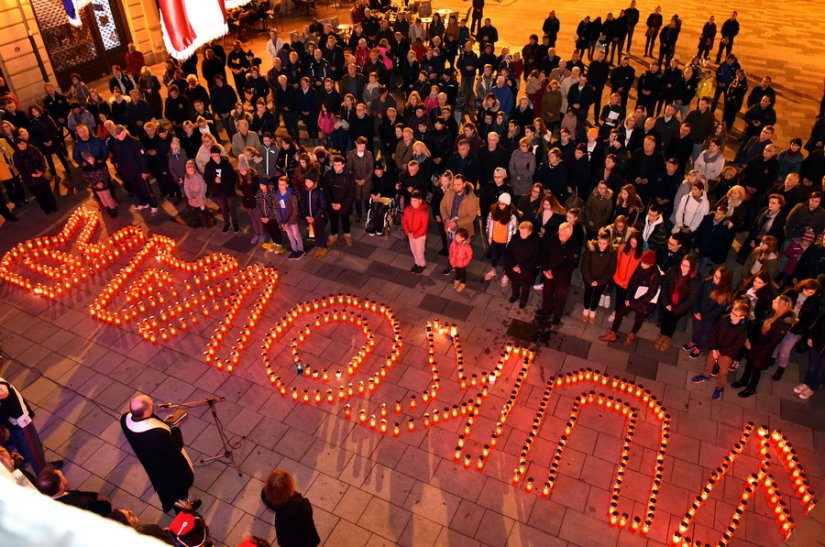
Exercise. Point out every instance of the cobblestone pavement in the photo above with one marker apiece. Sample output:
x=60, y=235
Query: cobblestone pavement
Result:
x=369, y=489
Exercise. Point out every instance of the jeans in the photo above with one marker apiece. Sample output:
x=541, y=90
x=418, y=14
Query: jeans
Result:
x=701, y=333
x=727, y=47
x=751, y=376
x=650, y=42
x=592, y=295
x=143, y=192
x=334, y=218
x=460, y=274
x=622, y=311
x=27, y=442
x=522, y=293
x=555, y=296
x=816, y=370
x=417, y=246
x=228, y=210
x=496, y=253
x=296, y=243
x=255, y=221
x=291, y=123
x=783, y=351
x=274, y=231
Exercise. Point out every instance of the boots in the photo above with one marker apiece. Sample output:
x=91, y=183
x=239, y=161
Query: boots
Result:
x=348, y=240
x=608, y=337
x=658, y=343
x=631, y=337
x=665, y=343
x=332, y=239
x=778, y=374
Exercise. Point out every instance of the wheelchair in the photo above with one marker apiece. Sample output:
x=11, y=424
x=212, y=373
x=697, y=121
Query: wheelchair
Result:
x=383, y=213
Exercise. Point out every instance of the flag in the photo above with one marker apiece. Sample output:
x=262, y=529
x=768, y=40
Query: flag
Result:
x=189, y=24
x=73, y=8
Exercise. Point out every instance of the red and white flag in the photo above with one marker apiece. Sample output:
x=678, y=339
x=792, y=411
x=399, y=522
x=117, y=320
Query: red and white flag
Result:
x=189, y=24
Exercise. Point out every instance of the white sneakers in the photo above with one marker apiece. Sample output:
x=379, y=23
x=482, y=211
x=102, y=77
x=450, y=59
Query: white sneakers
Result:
x=538, y=286
x=490, y=275
x=607, y=301
x=505, y=280
x=601, y=301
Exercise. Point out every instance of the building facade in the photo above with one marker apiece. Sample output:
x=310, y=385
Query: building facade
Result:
x=37, y=42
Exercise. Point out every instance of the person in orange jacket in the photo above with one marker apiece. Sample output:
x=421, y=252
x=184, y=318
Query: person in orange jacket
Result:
x=628, y=257
x=415, y=223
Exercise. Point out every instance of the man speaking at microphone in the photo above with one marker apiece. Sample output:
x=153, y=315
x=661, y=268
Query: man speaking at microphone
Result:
x=159, y=447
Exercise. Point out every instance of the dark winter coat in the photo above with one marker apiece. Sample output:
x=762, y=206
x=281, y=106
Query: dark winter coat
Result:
x=728, y=339
x=524, y=254
x=294, y=526
x=686, y=295
x=341, y=189
x=598, y=265
x=763, y=344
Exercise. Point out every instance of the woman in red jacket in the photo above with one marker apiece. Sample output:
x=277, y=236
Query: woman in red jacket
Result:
x=415, y=222
x=727, y=338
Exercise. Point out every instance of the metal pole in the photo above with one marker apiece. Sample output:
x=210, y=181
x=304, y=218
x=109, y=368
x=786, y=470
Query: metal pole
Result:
x=35, y=49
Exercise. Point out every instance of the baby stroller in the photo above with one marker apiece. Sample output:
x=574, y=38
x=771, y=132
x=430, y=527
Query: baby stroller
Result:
x=382, y=214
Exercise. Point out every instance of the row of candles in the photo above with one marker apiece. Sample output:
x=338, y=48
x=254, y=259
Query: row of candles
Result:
x=332, y=310
x=70, y=270
x=762, y=478
x=217, y=282
x=610, y=403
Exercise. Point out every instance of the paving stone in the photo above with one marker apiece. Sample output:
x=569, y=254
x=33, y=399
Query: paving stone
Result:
x=645, y=367
x=385, y=519
x=802, y=414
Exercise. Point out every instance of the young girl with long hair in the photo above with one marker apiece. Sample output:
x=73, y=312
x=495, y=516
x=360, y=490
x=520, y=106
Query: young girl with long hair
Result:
x=502, y=224
x=679, y=290
x=805, y=298
x=714, y=297
x=764, y=257
x=763, y=339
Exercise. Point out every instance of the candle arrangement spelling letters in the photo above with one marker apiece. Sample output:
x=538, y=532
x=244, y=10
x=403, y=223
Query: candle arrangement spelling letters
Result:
x=166, y=297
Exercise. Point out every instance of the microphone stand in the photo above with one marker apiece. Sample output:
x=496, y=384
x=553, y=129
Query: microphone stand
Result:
x=226, y=454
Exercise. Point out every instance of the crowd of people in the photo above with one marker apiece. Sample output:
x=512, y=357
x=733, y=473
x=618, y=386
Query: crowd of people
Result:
x=536, y=162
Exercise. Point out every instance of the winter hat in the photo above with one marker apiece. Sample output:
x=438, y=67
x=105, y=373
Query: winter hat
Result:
x=243, y=163
x=649, y=258
x=505, y=198
x=187, y=530
x=808, y=235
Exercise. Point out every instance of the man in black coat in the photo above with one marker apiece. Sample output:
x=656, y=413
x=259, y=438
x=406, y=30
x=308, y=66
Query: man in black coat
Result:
x=712, y=239
x=561, y=258
x=621, y=80
x=53, y=483
x=132, y=163
x=632, y=16
x=644, y=168
x=221, y=178
x=520, y=262
x=339, y=185
x=769, y=222
x=159, y=448
x=597, y=74
x=464, y=163
x=730, y=29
